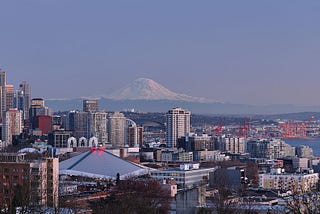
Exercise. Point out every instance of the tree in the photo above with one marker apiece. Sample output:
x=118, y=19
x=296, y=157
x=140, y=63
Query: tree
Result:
x=307, y=203
x=252, y=173
x=224, y=197
x=118, y=178
x=135, y=196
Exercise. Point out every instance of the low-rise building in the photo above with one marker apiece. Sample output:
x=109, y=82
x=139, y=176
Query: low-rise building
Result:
x=187, y=176
x=35, y=181
x=304, y=151
x=209, y=156
x=296, y=183
x=232, y=145
x=194, y=142
x=269, y=148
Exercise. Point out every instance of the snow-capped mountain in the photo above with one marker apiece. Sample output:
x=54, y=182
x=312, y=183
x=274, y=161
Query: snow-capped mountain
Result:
x=149, y=96
x=148, y=89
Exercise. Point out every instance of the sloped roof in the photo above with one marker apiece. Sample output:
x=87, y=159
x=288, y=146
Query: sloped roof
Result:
x=100, y=164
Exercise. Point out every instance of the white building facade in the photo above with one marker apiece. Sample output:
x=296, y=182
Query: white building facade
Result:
x=296, y=183
x=178, y=125
x=12, y=125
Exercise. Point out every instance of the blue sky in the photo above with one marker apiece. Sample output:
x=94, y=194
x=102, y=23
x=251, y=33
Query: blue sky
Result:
x=253, y=52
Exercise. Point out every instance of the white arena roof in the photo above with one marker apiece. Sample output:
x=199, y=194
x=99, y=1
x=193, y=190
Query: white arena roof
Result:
x=100, y=164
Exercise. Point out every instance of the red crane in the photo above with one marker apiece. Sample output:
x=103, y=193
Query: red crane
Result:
x=218, y=130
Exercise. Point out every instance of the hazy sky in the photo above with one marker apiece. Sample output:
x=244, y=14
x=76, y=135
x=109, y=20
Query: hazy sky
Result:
x=253, y=52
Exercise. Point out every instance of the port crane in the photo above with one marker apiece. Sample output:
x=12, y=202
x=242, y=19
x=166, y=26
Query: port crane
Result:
x=295, y=129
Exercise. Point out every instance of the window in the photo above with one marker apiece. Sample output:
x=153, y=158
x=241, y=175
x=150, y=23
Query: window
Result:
x=5, y=192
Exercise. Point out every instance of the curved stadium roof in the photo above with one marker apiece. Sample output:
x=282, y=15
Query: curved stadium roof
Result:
x=100, y=164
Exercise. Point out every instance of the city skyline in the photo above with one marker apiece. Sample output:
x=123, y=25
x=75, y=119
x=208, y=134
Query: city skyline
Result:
x=240, y=52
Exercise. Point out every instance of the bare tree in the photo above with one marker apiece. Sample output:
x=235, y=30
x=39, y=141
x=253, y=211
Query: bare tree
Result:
x=135, y=196
x=225, y=198
x=307, y=203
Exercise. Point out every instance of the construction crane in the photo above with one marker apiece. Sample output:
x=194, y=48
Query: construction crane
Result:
x=295, y=129
x=218, y=130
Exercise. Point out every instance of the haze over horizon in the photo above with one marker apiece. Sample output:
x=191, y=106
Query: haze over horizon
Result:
x=245, y=52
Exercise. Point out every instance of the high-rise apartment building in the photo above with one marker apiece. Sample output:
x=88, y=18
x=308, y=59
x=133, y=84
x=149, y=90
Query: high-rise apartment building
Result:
x=24, y=99
x=12, y=125
x=98, y=126
x=178, y=125
x=116, y=129
x=135, y=136
x=90, y=105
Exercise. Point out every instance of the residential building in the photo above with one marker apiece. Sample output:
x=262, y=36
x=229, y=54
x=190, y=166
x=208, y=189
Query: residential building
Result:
x=182, y=156
x=178, y=125
x=209, y=156
x=90, y=105
x=97, y=126
x=296, y=183
x=134, y=134
x=116, y=129
x=194, y=142
x=304, y=151
x=12, y=125
x=35, y=181
x=269, y=148
x=232, y=145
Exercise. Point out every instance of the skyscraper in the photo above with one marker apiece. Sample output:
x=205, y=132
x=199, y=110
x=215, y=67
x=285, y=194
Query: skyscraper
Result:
x=24, y=99
x=116, y=129
x=178, y=125
x=9, y=97
x=3, y=82
x=90, y=105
